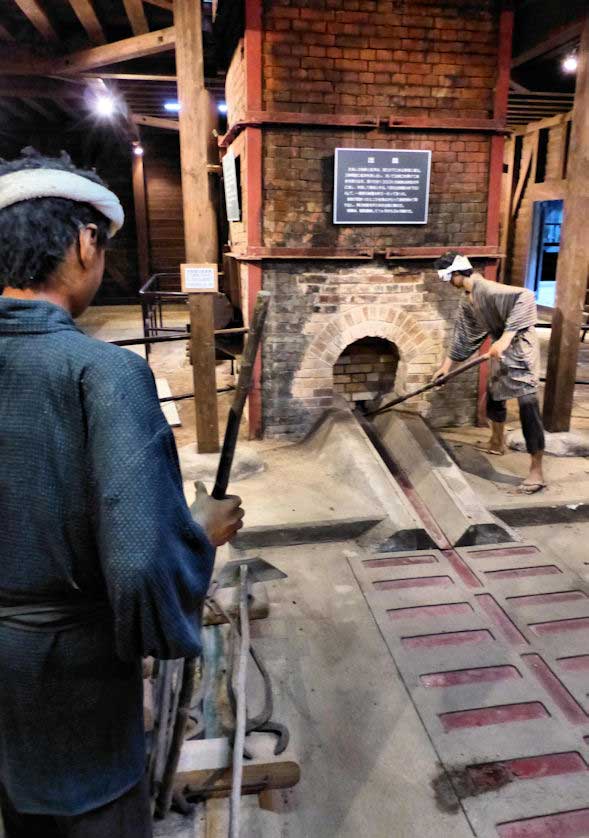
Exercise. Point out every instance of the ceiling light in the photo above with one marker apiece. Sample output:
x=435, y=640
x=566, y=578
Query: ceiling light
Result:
x=104, y=105
x=569, y=65
x=172, y=106
x=222, y=107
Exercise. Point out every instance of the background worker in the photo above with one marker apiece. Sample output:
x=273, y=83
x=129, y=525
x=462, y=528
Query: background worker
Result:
x=508, y=314
x=102, y=562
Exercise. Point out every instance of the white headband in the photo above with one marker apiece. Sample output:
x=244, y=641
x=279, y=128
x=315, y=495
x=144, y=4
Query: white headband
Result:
x=460, y=263
x=54, y=183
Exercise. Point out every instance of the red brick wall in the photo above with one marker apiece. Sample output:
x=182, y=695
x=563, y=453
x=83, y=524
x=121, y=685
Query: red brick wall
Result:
x=372, y=58
x=298, y=189
x=380, y=56
x=365, y=370
x=235, y=86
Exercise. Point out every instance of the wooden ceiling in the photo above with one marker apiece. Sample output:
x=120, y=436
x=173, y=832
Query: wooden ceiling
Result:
x=56, y=54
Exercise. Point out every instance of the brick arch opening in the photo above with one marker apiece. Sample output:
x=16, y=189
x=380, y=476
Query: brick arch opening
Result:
x=365, y=371
x=418, y=354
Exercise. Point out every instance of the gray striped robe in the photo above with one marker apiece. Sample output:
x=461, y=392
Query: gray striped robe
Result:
x=492, y=309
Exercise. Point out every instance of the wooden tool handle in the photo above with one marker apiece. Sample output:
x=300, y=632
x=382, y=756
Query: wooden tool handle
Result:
x=244, y=383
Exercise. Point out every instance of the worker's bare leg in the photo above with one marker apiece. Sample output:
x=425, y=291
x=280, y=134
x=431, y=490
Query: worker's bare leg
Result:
x=533, y=430
x=496, y=414
x=497, y=441
x=536, y=475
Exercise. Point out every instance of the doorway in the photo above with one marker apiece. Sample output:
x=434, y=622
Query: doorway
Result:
x=545, y=246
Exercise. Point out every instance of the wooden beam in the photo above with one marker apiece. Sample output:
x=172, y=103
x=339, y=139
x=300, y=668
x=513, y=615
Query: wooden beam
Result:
x=205, y=768
x=556, y=39
x=519, y=88
x=507, y=196
x=563, y=151
x=87, y=16
x=141, y=220
x=156, y=122
x=136, y=15
x=523, y=176
x=36, y=14
x=254, y=188
x=572, y=272
x=131, y=77
x=140, y=46
x=200, y=223
x=24, y=63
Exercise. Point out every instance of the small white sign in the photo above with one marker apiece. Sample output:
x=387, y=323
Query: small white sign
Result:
x=201, y=278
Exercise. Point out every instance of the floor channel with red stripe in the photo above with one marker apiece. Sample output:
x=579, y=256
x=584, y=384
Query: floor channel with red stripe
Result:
x=493, y=646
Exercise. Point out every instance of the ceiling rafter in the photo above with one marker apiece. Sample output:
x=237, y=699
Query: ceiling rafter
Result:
x=139, y=46
x=86, y=14
x=37, y=15
x=556, y=39
x=156, y=122
x=131, y=77
x=25, y=63
x=136, y=15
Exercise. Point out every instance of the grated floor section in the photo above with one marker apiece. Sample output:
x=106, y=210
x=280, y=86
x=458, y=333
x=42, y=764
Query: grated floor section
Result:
x=493, y=646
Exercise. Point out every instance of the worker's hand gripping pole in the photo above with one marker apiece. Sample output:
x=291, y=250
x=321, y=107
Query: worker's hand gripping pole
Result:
x=244, y=383
x=432, y=385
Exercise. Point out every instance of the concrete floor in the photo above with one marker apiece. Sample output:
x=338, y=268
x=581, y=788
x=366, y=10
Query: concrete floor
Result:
x=368, y=763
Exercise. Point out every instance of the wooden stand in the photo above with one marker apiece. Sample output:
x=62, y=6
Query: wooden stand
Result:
x=205, y=767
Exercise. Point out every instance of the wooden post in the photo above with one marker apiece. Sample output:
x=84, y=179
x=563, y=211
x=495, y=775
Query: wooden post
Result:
x=573, y=260
x=507, y=196
x=496, y=173
x=141, y=224
x=200, y=227
x=202, y=347
x=254, y=195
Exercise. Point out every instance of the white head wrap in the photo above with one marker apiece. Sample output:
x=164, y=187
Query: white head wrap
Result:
x=460, y=263
x=55, y=183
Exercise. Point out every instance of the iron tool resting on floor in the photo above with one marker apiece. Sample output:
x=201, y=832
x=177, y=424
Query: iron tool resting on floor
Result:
x=507, y=314
x=102, y=562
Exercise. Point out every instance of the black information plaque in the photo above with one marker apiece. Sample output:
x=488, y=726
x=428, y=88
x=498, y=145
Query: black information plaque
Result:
x=378, y=186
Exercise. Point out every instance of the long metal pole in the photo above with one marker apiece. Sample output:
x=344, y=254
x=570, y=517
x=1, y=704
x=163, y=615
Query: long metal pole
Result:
x=433, y=384
x=241, y=712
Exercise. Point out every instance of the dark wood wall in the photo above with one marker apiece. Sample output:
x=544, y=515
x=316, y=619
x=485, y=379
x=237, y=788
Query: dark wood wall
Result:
x=164, y=200
x=109, y=153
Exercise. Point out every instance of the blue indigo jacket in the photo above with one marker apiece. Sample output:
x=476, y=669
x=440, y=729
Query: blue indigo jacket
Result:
x=92, y=513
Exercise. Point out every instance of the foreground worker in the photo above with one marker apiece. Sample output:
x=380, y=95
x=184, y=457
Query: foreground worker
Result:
x=507, y=314
x=102, y=563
